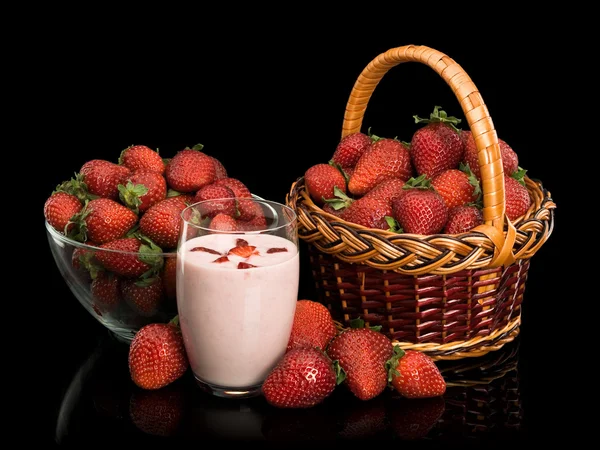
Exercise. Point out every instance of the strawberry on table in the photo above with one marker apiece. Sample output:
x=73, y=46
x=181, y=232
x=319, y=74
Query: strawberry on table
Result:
x=414, y=374
x=143, y=295
x=102, y=220
x=385, y=158
x=137, y=157
x=362, y=353
x=143, y=189
x=102, y=178
x=303, y=378
x=462, y=219
x=516, y=195
x=59, y=208
x=157, y=355
x=321, y=180
x=510, y=159
x=189, y=170
x=313, y=326
x=130, y=257
x=350, y=149
x=162, y=221
x=437, y=145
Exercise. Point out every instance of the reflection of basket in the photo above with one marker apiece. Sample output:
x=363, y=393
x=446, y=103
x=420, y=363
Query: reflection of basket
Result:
x=451, y=296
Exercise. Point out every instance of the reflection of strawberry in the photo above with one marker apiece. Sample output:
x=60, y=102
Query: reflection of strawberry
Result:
x=414, y=374
x=157, y=355
x=103, y=220
x=362, y=354
x=363, y=420
x=321, y=180
x=59, y=208
x=463, y=218
x=144, y=296
x=143, y=189
x=138, y=157
x=162, y=221
x=437, y=146
x=386, y=158
x=510, y=160
x=313, y=326
x=159, y=412
x=131, y=257
x=414, y=419
x=189, y=170
x=304, y=377
x=106, y=293
x=350, y=149
x=103, y=177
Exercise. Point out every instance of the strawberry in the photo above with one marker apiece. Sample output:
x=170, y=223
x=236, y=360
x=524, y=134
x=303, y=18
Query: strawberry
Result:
x=59, y=208
x=158, y=412
x=220, y=171
x=414, y=419
x=457, y=187
x=370, y=212
x=84, y=259
x=157, y=355
x=436, y=146
x=246, y=210
x=102, y=178
x=414, y=374
x=211, y=209
x=350, y=149
x=313, y=326
x=144, y=296
x=106, y=291
x=140, y=157
x=169, y=278
x=304, y=377
x=162, y=221
x=516, y=195
x=420, y=210
x=130, y=257
x=321, y=180
x=385, y=158
x=387, y=190
x=362, y=353
x=143, y=189
x=102, y=220
x=462, y=219
x=510, y=160
x=252, y=216
x=223, y=222
x=189, y=170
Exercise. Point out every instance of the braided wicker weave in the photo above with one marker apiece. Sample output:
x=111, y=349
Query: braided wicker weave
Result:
x=452, y=296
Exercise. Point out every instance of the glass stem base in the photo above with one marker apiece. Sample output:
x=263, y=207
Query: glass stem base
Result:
x=229, y=392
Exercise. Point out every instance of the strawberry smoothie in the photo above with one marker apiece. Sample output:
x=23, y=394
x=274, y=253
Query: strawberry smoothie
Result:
x=236, y=296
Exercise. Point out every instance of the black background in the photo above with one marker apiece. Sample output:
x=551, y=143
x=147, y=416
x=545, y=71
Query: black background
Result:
x=269, y=103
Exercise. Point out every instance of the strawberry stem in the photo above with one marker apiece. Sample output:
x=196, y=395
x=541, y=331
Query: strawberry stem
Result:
x=392, y=363
x=420, y=182
x=519, y=175
x=440, y=116
x=340, y=201
x=340, y=373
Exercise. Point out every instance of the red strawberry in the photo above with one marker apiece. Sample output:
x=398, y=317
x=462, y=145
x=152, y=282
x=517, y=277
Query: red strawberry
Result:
x=143, y=189
x=157, y=355
x=414, y=374
x=137, y=157
x=83, y=259
x=102, y=178
x=129, y=257
x=362, y=353
x=304, y=377
x=143, y=295
x=162, y=221
x=252, y=216
x=420, y=210
x=106, y=292
x=387, y=190
x=211, y=209
x=103, y=220
x=370, y=212
x=437, y=146
x=386, y=158
x=223, y=222
x=169, y=277
x=220, y=171
x=313, y=326
x=462, y=219
x=350, y=149
x=516, y=194
x=414, y=419
x=247, y=210
x=457, y=187
x=189, y=170
x=59, y=208
x=510, y=160
x=158, y=412
x=321, y=180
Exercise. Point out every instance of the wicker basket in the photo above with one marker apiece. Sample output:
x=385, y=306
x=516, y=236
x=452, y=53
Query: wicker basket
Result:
x=452, y=296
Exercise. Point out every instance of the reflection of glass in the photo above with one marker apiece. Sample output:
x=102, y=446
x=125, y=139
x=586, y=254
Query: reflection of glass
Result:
x=236, y=291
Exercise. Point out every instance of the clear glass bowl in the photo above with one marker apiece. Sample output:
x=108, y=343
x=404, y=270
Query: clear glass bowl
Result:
x=120, y=315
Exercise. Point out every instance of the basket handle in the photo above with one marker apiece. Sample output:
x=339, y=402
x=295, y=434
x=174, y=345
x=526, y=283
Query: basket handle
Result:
x=478, y=118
